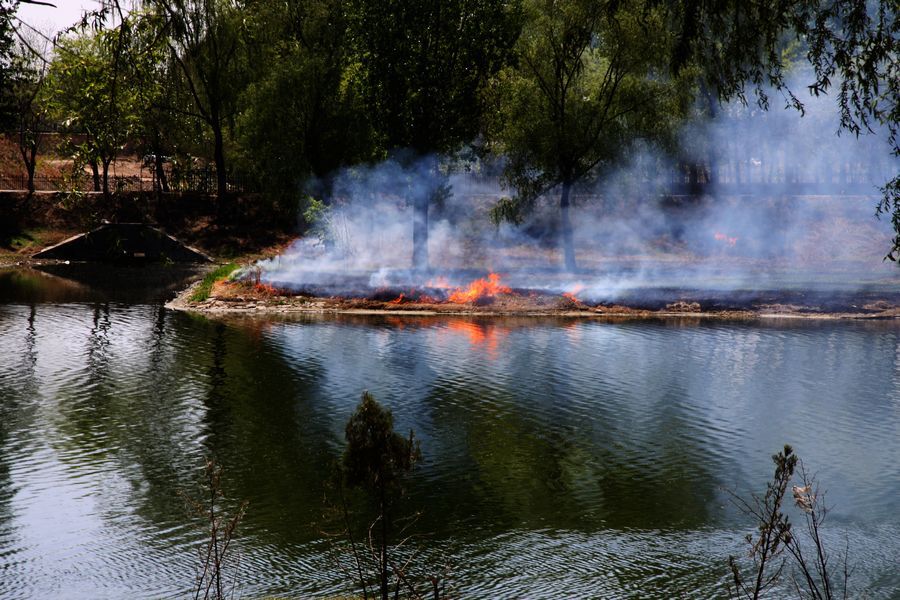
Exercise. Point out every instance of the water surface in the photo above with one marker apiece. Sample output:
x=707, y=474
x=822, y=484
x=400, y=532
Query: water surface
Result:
x=561, y=458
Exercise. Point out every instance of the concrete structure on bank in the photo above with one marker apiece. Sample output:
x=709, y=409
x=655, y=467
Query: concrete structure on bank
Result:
x=123, y=243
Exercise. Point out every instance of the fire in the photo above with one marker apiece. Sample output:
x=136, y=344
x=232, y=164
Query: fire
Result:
x=572, y=294
x=479, y=289
x=413, y=297
x=265, y=289
x=721, y=237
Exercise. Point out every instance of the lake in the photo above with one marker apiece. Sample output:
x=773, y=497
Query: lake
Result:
x=561, y=458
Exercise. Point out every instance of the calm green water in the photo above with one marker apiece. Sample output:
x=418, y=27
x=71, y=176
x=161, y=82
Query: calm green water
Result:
x=562, y=459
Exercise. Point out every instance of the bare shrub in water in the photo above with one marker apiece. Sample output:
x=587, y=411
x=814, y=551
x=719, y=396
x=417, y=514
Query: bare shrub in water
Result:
x=217, y=551
x=773, y=531
x=776, y=541
x=814, y=575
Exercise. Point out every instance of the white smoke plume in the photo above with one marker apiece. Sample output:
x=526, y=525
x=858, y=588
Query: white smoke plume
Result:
x=790, y=205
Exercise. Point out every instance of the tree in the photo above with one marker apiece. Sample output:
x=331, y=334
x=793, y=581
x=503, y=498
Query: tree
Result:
x=7, y=32
x=422, y=66
x=30, y=102
x=851, y=45
x=146, y=68
x=300, y=120
x=203, y=40
x=589, y=80
x=90, y=97
x=376, y=460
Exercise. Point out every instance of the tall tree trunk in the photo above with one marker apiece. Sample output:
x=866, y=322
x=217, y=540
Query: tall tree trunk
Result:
x=568, y=244
x=106, y=162
x=712, y=103
x=162, y=184
x=31, y=167
x=219, y=157
x=95, y=172
x=28, y=151
x=420, y=231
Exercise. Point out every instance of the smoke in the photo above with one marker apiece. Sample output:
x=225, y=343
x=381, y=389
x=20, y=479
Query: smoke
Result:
x=787, y=203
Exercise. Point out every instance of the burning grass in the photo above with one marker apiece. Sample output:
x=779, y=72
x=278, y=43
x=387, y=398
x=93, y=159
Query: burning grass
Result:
x=203, y=291
x=491, y=295
x=480, y=290
x=613, y=292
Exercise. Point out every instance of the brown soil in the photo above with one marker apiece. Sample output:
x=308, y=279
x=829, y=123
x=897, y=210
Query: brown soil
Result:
x=53, y=162
x=29, y=224
x=50, y=162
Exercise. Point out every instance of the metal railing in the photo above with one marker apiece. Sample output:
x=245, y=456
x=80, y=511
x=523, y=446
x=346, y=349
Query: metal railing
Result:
x=201, y=181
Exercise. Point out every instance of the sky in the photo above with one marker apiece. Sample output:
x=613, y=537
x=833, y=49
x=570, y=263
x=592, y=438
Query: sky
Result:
x=49, y=19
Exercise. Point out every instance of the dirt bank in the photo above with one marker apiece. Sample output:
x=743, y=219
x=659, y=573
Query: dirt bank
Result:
x=246, y=298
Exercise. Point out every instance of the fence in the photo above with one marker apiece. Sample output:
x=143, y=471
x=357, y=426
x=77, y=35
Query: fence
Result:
x=750, y=176
x=198, y=181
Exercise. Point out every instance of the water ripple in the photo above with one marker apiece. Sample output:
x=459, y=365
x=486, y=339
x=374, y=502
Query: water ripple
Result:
x=562, y=459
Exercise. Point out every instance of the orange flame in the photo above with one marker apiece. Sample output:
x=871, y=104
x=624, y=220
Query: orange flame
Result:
x=265, y=289
x=478, y=289
x=396, y=300
x=572, y=294
x=721, y=237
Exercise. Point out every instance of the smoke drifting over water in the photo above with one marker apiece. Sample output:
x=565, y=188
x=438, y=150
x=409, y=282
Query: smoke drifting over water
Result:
x=785, y=203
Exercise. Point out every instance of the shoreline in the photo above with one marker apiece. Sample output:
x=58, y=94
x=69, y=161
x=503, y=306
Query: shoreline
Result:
x=241, y=299
x=254, y=305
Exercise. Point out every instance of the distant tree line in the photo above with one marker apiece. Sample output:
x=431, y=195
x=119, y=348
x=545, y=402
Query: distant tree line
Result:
x=287, y=92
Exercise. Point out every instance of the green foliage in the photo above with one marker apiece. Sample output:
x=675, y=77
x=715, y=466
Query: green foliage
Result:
x=851, y=45
x=317, y=215
x=29, y=100
x=89, y=96
x=587, y=83
x=376, y=460
x=206, y=58
x=288, y=91
x=205, y=286
x=301, y=118
x=421, y=67
x=7, y=12
x=889, y=204
x=423, y=64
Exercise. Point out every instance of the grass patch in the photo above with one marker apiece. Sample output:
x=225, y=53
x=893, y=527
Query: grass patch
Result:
x=19, y=241
x=205, y=287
